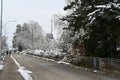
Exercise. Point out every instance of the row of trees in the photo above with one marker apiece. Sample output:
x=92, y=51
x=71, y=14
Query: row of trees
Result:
x=4, y=45
x=30, y=36
x=92, y=23
x=96, y=24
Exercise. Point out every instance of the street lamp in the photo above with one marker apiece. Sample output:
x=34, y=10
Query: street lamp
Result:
x=1, y=28
x=6, y=25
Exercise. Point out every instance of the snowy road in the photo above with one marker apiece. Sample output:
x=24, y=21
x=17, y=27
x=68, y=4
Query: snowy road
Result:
x=46, y=70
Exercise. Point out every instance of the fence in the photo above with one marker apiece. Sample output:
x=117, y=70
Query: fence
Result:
x=102, y=64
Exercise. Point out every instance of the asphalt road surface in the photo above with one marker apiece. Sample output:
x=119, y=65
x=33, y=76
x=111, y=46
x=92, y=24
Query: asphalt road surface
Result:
x=47, y=70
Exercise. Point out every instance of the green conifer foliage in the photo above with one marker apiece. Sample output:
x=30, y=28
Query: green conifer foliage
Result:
x=100, y=21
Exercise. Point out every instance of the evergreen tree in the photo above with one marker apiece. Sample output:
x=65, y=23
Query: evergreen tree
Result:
x=100, y=22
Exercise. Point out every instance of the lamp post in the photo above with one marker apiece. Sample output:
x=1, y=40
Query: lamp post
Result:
x=1, y=28
x=6, y=25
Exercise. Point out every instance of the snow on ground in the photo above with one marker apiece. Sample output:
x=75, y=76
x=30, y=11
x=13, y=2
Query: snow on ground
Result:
x=38, y=52
x=23, y=52
x=49, y=59
x=3, y=57
x=59, y=62
x=62, y=62
x=25, y=73
x=95, y=70
x=45, y=58
x=1, y=65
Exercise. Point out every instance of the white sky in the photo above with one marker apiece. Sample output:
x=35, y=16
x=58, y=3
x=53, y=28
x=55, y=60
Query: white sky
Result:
x=26, y=10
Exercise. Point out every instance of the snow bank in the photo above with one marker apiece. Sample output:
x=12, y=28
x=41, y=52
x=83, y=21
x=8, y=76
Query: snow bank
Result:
x=38, y=52
x=48, y=59
x=22, y=70
x=62, y=62
x=1, y=65
x=95, y=71
x=64, y=59
x=3, y=57
x=23, y=52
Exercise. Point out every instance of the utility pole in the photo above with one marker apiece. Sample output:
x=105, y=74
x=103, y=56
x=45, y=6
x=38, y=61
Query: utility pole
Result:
x=32, y=39
x=51, y=26
x=1, y=29
x=33, y=28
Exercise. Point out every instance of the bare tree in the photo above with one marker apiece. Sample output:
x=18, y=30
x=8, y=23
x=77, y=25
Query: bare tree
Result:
x=4, y=42
x=29, y=36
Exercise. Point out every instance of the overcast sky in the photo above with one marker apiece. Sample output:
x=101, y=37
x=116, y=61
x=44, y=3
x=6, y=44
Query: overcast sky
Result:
x=26, y=10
